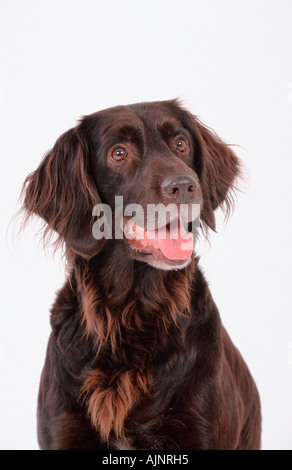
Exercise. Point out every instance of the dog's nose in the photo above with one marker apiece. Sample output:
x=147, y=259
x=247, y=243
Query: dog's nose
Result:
x=180, y=188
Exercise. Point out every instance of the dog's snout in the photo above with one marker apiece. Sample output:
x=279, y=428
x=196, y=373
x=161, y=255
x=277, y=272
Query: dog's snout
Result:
x=181, y=188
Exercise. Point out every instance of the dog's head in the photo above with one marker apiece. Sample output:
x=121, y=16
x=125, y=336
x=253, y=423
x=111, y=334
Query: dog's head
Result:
x=141, y=169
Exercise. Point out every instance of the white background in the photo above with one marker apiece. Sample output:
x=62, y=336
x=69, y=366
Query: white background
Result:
x=230, y=62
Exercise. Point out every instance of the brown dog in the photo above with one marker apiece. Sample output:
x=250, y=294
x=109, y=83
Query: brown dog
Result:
x=138, y=357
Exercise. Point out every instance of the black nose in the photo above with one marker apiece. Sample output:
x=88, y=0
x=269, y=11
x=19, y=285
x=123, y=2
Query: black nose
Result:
x=181, y=188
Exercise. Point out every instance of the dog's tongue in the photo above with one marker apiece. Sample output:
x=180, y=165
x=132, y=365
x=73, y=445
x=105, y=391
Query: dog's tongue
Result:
x=179, y=248
x=175, y=243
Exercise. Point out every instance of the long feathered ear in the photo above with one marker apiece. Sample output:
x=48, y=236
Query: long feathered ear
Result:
x=63, y=193
x=220, y=169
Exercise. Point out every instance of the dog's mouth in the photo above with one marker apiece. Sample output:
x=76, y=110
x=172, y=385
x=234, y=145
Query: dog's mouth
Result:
x=171, y=243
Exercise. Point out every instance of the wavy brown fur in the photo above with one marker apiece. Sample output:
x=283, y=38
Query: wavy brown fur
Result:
x=109, y=399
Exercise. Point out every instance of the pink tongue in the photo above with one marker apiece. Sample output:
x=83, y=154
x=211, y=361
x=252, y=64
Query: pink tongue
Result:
x=175, y=244
x=179, y=248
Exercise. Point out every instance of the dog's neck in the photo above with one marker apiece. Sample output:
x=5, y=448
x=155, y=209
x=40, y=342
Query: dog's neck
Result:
x=118, y=293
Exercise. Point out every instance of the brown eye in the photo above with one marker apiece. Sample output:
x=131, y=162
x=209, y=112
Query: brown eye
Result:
x=119, y=154
x=181, y=144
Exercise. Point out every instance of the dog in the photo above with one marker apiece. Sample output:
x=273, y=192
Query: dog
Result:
x=138, y=357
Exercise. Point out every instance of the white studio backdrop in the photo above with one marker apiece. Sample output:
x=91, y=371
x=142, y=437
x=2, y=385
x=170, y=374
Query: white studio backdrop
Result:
x=230, y=63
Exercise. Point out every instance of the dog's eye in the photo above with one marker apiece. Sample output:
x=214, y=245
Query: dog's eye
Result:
x=181, y=144
x=119, y=154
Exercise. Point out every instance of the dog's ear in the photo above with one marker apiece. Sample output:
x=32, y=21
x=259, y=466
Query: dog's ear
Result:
x=220, y=168
x=63, y=193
